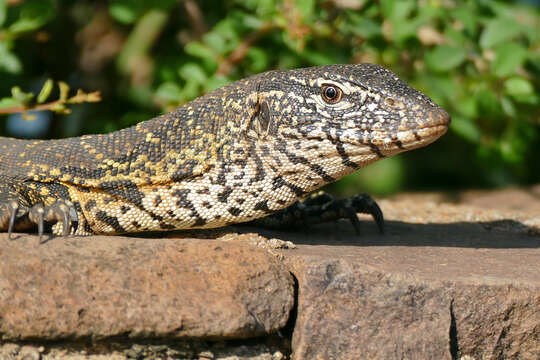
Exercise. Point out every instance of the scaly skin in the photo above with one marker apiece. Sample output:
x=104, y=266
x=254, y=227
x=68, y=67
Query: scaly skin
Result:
x=239, y=153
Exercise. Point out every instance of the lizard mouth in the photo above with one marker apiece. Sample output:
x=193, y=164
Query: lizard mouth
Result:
x=426, y=131
x=436, y=124
x=412, y=139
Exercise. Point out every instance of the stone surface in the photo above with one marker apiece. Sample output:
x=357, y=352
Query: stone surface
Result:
x=179, y=349
x=454, y=277
x=349, y=310
x=97, y=287
x=446, y=281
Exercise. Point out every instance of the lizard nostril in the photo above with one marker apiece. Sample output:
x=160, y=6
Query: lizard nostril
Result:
x=390, y=102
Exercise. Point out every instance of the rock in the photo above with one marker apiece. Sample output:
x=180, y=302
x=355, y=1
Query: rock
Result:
x=497, y=322
x=30, y=353
x=98, y=287
x=450, y=282
x=249, y=349
x=347, y=312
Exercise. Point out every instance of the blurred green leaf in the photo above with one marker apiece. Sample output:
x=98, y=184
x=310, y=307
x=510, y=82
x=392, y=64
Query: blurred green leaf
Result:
x=258, y=59
x=169, y=92
x=3, y=11
x=382, y=177
x=402, y=9
x=488, y=104
x=456, y=37
x=215, y=82
x=128, y=11
x=190, y=90
x=497, y=31
x=33, y=15
x=514, y=140
x=362, y=26
x=306, y=7
x=467, y=18
x=405, y=29
x=63, y=88
x=9, y=62
x=529, y=99
x=508, y=106
x=192, y=72
x=509, y=152
x=124, y=11
x=508, y=57
x=223, y=38
x=440, y=86
x=8, y=102
x=317, y=58
x=467, y=106
x=518, y=86
x=444, y=58
x=387, y=7
x=252, y=22
x=20, y=96
x=45, y=91
x=466, y=129
x=140, y=40
x=203, y=52
x=263, y=8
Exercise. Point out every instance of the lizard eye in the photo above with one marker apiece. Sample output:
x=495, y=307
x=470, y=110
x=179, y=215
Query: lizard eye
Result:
x=331, y=93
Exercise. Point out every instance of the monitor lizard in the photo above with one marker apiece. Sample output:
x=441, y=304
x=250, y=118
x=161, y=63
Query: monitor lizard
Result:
x=239, y=153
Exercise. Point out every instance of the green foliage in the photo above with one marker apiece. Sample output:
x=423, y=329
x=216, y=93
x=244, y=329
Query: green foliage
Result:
x=129, y=11
x=480, y=60
x=25, y=17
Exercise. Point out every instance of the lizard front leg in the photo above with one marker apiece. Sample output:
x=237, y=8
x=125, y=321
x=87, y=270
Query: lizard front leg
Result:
x=322, y=207
x=25, y=205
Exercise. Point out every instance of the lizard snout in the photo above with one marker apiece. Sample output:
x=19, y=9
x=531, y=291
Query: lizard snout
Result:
x=439, y=116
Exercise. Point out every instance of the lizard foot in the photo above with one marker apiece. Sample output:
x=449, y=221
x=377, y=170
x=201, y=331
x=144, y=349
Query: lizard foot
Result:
x=323, y=207
x=62, y=211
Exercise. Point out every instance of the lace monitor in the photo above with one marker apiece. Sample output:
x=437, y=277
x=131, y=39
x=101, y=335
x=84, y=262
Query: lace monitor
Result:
x=239, y=153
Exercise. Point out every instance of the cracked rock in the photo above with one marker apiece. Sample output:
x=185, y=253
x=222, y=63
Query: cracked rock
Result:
x=92, y=287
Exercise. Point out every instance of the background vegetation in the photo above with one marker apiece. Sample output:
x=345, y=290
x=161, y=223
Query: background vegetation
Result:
x=479, y=59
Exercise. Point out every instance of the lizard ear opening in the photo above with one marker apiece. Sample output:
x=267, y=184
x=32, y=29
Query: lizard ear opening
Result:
x=260, y=123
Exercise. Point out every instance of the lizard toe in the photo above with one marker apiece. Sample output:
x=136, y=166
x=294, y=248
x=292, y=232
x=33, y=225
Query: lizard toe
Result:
x=348, y=208
x=61, y=216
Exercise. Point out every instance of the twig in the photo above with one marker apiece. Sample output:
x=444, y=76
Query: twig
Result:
x=195, y=17
x=57, y=105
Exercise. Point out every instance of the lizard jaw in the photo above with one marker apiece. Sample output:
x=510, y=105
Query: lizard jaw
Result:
x=435, y=125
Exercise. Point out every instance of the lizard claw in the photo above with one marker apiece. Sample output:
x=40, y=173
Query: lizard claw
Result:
x=363, y=203
x=73, y=216
x=35, y=215
x=13, y=208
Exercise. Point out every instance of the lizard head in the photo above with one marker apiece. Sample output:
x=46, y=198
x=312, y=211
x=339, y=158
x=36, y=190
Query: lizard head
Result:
x=355, y=113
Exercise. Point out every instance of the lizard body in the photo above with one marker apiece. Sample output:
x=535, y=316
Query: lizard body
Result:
x=236, y=154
